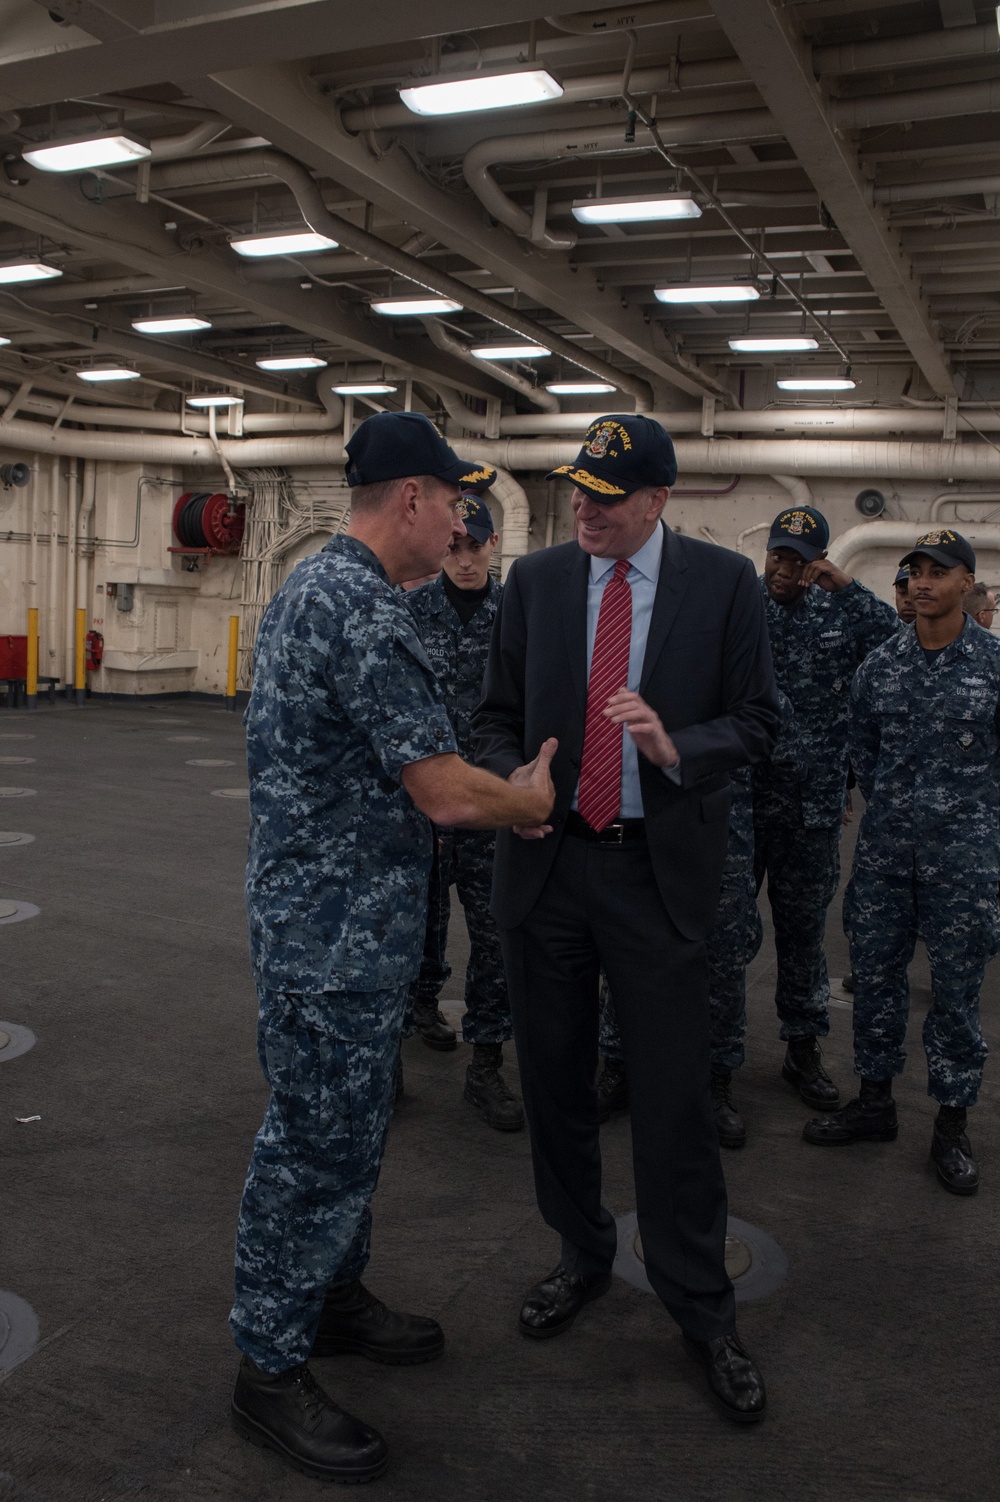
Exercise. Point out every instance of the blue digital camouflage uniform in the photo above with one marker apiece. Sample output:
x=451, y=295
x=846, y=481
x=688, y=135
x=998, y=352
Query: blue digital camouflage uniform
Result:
x=799, y=793
x=343, y=699
x=926, y=752
x=463, y=857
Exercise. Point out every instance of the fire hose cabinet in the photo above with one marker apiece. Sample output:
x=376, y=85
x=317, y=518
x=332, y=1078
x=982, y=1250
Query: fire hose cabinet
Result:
x=13, y=657
x=208, y=522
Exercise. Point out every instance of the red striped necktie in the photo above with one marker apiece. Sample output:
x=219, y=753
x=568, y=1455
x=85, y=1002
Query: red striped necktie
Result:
x=600, y=794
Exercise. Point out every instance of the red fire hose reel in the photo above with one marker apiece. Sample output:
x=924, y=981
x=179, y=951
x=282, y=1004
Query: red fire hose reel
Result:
x=208, y=523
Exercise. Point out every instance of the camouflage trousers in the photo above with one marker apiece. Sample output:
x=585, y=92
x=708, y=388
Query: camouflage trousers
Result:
x=463, y=858
x=802, y=867
x=305, y=1220
x=960, y=928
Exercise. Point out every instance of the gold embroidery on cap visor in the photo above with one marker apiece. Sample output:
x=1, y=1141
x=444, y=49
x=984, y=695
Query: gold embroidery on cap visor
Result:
x=586, y=481
x=479, y=476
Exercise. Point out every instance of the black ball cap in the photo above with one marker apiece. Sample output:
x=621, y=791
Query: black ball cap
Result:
x=395, y=445
x=477, y=518
x=621, y=453
x=947, y=547
x=803, y=529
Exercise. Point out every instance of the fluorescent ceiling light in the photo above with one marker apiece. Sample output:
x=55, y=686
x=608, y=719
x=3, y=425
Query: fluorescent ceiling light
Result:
x=169, y=325
x=481, y=91
x=78, y=156
x=109, y=373
x=730, y=292
x=762, y=346
x=578, y=388
x=364, y=388
x=508, y=351
x=291, y=362
x=633, y=210
x=291, y=243
x=818, y=383
x=27, y=271
x=217, y=399
x=398, y=307
x=3, y=340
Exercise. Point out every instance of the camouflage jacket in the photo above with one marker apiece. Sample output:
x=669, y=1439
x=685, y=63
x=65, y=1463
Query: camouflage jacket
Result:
x=925, y=747
x=343, y=699
x=457, y=653
x=817, y=646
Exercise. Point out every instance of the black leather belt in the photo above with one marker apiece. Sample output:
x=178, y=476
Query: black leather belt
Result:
x=621, y=832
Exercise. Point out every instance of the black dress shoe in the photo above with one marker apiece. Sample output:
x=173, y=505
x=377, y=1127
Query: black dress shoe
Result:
x=355, y=1323
x=612, y=1089
x=729, y=1124
x=292, y=1415
x=870, y=1117
x=803, y=1068
x=552, y=1305
x=432, y=1027
x=951, y=1153
x=735, y=1383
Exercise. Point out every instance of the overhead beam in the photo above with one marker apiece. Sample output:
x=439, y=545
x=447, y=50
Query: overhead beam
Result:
x=284, y=105
x=779, y=62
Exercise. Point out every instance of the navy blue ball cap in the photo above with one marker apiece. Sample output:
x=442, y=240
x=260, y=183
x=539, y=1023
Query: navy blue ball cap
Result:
x=476, y=516
x=394, y=445
x=801, y=528
x=903, y=576
x=944, y=546
x=621, y=453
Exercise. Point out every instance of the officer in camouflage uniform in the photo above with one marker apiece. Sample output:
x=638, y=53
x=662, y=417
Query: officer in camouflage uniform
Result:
x=925, y=747
x=454, y=617
x=822, y=625
x=350, y=750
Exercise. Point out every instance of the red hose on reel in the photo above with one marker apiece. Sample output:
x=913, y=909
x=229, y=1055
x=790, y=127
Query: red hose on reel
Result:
x=205, y=520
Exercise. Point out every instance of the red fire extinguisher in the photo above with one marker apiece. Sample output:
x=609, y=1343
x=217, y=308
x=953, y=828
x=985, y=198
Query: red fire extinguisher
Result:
x=95, y=650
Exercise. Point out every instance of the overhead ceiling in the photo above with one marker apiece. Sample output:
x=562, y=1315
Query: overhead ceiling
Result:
x=845, y=158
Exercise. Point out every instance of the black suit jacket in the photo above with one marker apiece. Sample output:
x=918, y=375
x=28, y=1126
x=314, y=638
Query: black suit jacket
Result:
x=707, y=673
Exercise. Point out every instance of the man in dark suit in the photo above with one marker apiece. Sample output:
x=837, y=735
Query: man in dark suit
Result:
x=630, y=627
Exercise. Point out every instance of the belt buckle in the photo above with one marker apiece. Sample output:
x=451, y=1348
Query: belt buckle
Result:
x=618, y=826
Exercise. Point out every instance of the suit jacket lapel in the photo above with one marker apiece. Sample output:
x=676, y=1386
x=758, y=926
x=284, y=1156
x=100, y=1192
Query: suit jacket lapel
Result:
x=573, y=592
x=670, y=590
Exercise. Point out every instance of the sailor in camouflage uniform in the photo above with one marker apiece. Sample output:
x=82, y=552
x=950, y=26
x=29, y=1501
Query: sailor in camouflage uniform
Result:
x=925, y=747
x=822, y=625
x=350, y=752
x=454, y=617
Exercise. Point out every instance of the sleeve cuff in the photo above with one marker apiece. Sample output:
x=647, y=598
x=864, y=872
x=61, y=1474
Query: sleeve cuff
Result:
x=674, y=773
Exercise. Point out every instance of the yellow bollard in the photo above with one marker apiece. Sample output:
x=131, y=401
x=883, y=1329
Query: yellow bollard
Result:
x=80, y=666
x=31, y=687
x=234, y=659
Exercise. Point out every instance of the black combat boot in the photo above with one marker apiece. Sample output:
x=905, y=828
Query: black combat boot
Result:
x=487, y=1090
x=612, y=1089
x=728, y=1122
x=433, y=1028
x=847, y=984
x=292, y=1415
x=951, y=1153
x=355, y=1323
x=870, y=1117
x=803, y=1068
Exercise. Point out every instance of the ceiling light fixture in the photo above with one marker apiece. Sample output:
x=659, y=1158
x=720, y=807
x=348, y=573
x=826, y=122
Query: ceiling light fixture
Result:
x=509, y=351
x=291, y=362
x=634, y=210
x=688, y=293
x=773, y=345
x=3, y=340
x=578, y=388
x=291, y=243
x=109, y=373
x=27, y=271
x=364, y=388
x=217, y=399
x=817, y=383
x=481, y=91
x=188, y=325
x=399, y=307
x=76, y=155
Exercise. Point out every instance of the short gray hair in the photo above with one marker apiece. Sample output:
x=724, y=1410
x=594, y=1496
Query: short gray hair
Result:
x=368, y=499
x=976, y=600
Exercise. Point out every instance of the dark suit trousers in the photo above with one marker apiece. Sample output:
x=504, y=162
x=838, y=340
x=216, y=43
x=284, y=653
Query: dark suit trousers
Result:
x=600, y=906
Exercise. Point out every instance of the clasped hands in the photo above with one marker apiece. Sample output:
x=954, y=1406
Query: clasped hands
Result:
x=643, y=725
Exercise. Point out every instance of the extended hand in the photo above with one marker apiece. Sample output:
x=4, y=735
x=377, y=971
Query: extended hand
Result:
x=826, y=574
x=537, y=776
x=644, y=726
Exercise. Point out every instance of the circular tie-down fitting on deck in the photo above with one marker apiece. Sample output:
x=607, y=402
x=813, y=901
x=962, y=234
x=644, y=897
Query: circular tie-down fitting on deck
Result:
x=9, y=838
x=12, y=792
x=231, y=793
x=17, y=912
x=754, y=1260
x=19, y=1040
x=18, y=1331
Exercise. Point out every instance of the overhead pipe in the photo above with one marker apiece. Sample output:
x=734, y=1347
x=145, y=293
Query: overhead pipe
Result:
x=70, y=586
x=958, y=498
x=901, y=535
x=868, y=110
x=513, y=504
x=797, y=489
x=175, y=422
x=629, y=17
x=819, y=422
x=907, y=51
x=275, y=164
x=943, y=187
x=443, y=340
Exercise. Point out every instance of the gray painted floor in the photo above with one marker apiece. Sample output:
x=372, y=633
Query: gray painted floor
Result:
x=117, y=1211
